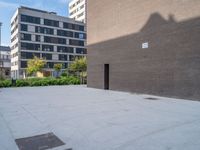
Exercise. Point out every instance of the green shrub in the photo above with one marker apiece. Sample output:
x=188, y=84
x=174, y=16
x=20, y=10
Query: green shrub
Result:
x=5, y=83
x=64, y=74
x=1, y=84
x=64, y=80
x=21, y=83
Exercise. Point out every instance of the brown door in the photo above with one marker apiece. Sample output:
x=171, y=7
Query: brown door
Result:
x=106, y=76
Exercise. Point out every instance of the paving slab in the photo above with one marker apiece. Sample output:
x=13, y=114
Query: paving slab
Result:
x=92, y=119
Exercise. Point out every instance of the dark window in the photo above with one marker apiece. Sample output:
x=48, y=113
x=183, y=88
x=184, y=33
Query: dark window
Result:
x=47, y=56
x=61, y=41
x=81, y=51
x=64, y=49
x=7, y=72
x=73, y=26
x=29, y=55
x=80, y=35
x=37, y=38
x=44, y=30
x=51, y=23
x=30, y=19
x=47, y=48
x=26, y=37
x=24, y=27
x=76, y=27
x=62, y=57
x=55, y=40
x=71, y=57
x=23, y=64
x=49, y=65
x=76, y=42
x=68, y=25
x=30, y=46
x=65, y=65
x=81, y=28
x=65, y=33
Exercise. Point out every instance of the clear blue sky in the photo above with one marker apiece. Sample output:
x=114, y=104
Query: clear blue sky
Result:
x=8, y=7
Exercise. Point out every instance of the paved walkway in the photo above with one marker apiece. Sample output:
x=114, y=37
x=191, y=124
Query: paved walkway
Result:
x=91, y=119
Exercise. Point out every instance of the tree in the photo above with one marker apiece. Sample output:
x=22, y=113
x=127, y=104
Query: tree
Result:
x=57, y=68
x=35, y=65
x=79, y=66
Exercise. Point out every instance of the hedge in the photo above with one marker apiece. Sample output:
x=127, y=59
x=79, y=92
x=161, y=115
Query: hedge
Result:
x=41, y=82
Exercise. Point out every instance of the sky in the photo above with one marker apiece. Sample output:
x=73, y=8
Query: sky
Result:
x=8, y=8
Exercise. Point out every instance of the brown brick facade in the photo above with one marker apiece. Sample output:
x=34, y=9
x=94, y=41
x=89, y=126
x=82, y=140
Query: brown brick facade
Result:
x=170, y=66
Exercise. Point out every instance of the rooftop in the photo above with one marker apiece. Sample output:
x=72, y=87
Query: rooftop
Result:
x=37, y=10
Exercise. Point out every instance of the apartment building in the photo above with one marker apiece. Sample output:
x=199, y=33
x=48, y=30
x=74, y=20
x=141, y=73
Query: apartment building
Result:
x=149, y=47
x=55, y=38
x=77, y=10
x=5, y=61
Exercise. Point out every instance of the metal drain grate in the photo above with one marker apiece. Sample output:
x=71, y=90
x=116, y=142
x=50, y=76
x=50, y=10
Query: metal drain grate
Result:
x=152, y=98
x=39, y=142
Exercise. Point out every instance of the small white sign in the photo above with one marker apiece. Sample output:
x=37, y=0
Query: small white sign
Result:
x=145, y=45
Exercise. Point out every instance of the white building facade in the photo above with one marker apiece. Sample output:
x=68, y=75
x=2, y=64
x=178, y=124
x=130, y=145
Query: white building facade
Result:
x=77, y=10
x=5, y=62
x=56, y=39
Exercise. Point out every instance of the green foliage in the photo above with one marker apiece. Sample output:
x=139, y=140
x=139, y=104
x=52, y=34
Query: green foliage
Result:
x=78, y=65
x=64, y=74
x=34, y=65
x=20, y=83
x=5, y=83
x=57, y=67
x=41, y=82
x=1, y=78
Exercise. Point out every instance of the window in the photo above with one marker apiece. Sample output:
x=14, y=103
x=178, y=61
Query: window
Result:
x=81, y=51
x=64, y=49
x=65, y=65
x=44, y=30
x=55, y=40
x=47, y=56
x=68, y=25
x=37, y=38
x=76, y=42
x=73, y=26
x=30, y=46
x=80, y=35
x=49, y=65
x=47, y=48
x=23, y=64
x=7, y=72
x=71, y=57
x=29, y=55
x=62, y=57
x=51, y=23
x=65, y=33
x=30, y=19
x=24, y=27
x=25, y=37
x=81, y=28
